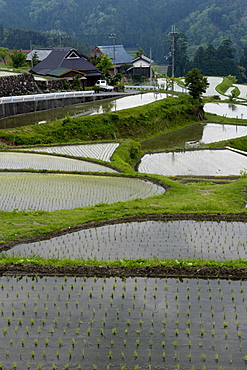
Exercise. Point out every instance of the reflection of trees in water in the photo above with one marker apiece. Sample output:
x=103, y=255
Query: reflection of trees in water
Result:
x=174, y=139
x=233, y=107
x=109, y=106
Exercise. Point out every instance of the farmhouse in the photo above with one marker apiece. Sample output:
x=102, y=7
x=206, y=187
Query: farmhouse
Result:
x=116, y=53
x=67, y=63
x=141, y=66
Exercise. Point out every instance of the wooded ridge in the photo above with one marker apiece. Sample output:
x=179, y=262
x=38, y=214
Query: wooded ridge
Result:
x=139, y=23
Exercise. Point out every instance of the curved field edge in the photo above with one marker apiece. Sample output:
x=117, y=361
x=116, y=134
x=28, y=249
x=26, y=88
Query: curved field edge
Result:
x=193, y=268
x=226, y=83
x=81, y=159
x=195, y=198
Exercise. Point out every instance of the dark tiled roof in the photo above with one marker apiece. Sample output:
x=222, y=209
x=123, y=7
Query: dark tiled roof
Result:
x=60, y=58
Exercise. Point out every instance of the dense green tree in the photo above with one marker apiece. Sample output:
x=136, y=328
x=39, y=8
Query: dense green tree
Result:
x=139, y=53
x=104, y=64
x=225, y=50
x=218, y=62
x=243, y=65
x=198, y=61
x=35, y=59
x=196, y=83
x=4, y=52
x=18, y=58
x=1, y=34
x=210, y=63
x=243, y=59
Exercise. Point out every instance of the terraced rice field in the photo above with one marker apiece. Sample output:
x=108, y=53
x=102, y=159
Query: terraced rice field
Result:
x=50, y=192
x=194, y=162
x=96, y=151
x=110, y=323
x=201, y=134
x=213, y=132
x=148, y=239
x=227, y=110
x=211, y=90
x=17, y=160
x=135, y=323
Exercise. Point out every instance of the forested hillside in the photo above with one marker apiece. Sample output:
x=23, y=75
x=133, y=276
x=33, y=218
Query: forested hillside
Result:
x=136, y=23
x=15, y=38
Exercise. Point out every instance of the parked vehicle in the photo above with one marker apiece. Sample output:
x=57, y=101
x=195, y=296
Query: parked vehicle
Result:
x=104, y=86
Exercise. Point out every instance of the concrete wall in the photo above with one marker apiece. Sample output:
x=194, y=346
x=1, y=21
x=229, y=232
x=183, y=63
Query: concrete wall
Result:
x=12, y=109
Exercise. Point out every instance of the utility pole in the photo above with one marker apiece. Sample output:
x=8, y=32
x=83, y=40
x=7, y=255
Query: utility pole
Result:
x=31, y=48
x=150, y=66
x=113, y=37
x=173, y=33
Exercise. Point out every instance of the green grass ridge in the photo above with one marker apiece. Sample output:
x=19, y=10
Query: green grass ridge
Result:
x=224, y=85
x=126, y=124
x=188, y=263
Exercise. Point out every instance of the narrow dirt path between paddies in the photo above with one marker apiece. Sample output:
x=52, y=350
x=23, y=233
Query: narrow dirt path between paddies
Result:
x=159, y=271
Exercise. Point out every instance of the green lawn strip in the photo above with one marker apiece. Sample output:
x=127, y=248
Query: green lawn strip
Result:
x=214, y=118
x=195, y=198
x=126, y=154
x=224, y=86
x=189, y=263
x=239, y=143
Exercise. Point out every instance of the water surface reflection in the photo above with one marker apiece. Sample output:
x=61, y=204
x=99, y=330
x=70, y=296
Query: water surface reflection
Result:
x=85, y=109
x=227, y=110
x=203, y=134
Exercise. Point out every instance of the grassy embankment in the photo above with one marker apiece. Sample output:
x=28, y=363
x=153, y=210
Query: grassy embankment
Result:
x=140, y=122
x=225, y=85
x=137, y=123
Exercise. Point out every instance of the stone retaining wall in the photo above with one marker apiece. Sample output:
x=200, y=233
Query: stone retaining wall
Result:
x=50, y=85
x=24, y=84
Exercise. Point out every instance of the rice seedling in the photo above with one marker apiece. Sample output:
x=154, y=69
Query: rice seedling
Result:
x=147, y=329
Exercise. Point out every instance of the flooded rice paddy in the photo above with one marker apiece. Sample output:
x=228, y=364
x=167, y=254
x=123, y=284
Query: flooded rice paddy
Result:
x=130, y=323
x=227, y=110
x=203, y=134
x=135, y=323
x=17, y=160
x=23, y=191
x=194, y=162
x=150, y=239
x=102, y=151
